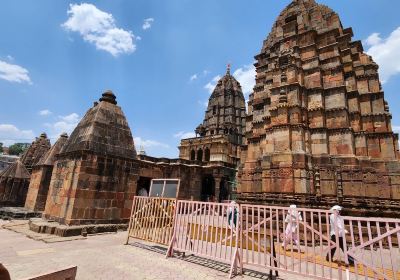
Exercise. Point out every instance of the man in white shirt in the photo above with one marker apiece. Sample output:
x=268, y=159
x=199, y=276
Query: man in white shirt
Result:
x=337, y=225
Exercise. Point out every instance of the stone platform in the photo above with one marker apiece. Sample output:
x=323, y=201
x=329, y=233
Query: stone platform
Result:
x=40, y=225
x=17, y=213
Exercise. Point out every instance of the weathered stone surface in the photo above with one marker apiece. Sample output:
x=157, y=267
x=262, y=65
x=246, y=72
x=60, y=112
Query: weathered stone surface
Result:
x=14, y=182
x=41, y=177
x=95, y=172
x=35, y=152
x=318, y=107
x=222, y=132
x=218, y=141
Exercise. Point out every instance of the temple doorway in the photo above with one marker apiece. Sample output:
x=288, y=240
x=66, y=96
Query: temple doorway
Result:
x=208, y=188
x=143, y=186
x=224, y=190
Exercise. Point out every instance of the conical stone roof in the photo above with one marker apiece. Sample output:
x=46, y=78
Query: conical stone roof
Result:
x=103, y=130
x=311, y=16
x=50, y=156
x=36, y=151
x=16, y=170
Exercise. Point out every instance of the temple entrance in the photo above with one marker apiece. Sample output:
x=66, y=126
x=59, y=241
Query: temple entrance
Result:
x=224, y=190
x=208, y=188
x=143, y=186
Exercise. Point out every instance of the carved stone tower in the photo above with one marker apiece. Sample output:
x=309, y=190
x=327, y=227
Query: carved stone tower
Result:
x=221, y=134
x=318, y=107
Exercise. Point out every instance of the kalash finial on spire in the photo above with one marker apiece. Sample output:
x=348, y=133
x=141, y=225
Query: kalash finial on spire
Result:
x=228, y=69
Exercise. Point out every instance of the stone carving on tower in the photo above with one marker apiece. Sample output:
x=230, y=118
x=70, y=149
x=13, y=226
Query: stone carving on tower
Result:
x=318, y=110
x=220, y=136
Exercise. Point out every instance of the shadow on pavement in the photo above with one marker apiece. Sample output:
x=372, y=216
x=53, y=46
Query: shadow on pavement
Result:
x=212, y=264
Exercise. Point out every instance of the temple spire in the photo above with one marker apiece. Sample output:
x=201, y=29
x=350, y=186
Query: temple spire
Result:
x=228, y=69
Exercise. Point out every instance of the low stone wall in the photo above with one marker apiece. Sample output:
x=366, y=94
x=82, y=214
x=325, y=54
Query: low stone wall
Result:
x=50, y=227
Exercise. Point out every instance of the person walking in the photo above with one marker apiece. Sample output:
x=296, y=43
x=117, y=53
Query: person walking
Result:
x=292, y=219
x=233, y=214
x=337, y=225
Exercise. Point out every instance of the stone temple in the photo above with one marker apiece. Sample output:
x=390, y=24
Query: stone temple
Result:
x=317, y=132
x=318, y=126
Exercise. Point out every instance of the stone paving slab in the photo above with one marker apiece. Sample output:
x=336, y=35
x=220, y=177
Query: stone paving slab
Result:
x=105, y=257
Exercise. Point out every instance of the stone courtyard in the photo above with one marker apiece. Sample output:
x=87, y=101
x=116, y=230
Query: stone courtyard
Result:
x=105, y=257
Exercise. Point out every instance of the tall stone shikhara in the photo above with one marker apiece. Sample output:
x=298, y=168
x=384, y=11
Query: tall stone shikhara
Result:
x=318, y=127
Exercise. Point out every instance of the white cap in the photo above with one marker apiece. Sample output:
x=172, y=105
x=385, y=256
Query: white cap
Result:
x=293, y=206
x=336, y=207
x=233, y=202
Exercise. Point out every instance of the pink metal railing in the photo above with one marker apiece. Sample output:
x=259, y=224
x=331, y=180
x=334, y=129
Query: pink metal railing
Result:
x=207, y=229
x=298, y=245
x=152, y=219
x=265, y=237
x=374, y=245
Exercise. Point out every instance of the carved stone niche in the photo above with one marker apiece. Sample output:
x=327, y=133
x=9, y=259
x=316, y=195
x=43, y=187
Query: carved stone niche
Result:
x=369, y=178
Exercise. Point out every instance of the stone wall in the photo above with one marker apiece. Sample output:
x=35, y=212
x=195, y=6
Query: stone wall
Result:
x=89, y=189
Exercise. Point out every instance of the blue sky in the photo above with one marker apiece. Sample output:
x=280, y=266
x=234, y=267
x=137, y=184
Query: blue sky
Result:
x=160, y=57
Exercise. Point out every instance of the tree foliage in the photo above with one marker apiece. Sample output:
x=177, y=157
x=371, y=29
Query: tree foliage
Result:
x=1, y=147
x=17, y=149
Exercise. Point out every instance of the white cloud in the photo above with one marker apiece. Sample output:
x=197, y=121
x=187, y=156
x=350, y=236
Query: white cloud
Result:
x=99, y=28
x=138, y=38
x=10, y=134
x=373, y=39
x=184, y=135
x=396, y=128
x=147, y=23
x=10, y=58
x=385, y=52
x=45, y=112
x=63, y=124
x=246, y=76
x=148, y=143
x=71, y=118
x=193, y=77
x=206, y=72
x=210, y=86
x=14, y=73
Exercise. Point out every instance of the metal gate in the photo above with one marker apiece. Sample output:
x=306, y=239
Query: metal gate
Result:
x=152, y=219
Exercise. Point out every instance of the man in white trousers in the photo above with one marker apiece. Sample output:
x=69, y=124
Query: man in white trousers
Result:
x=337, y=225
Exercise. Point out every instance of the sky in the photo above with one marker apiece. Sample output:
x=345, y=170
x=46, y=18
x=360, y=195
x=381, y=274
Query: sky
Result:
x=161, y=58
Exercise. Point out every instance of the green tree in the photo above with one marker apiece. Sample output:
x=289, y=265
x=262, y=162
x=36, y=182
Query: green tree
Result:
x=1, y=147
x=17, y=149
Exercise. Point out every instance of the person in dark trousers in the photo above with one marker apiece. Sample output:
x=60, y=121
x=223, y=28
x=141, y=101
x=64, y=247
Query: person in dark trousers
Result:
x=337, y=225
x=233, y=214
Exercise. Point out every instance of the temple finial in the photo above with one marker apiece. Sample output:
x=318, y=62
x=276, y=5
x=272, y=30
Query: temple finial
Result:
x=228, y=69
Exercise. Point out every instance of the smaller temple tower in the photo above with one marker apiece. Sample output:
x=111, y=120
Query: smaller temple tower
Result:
x=14, y=182
x=219, y=137
x=35, y=151
x=41, y=176
x=94, y=176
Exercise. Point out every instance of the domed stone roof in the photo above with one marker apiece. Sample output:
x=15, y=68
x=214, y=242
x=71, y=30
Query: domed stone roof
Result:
x=309, y=15
x=36, y=151
x=50, y=157
x=103, y=130
x=16, y=170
